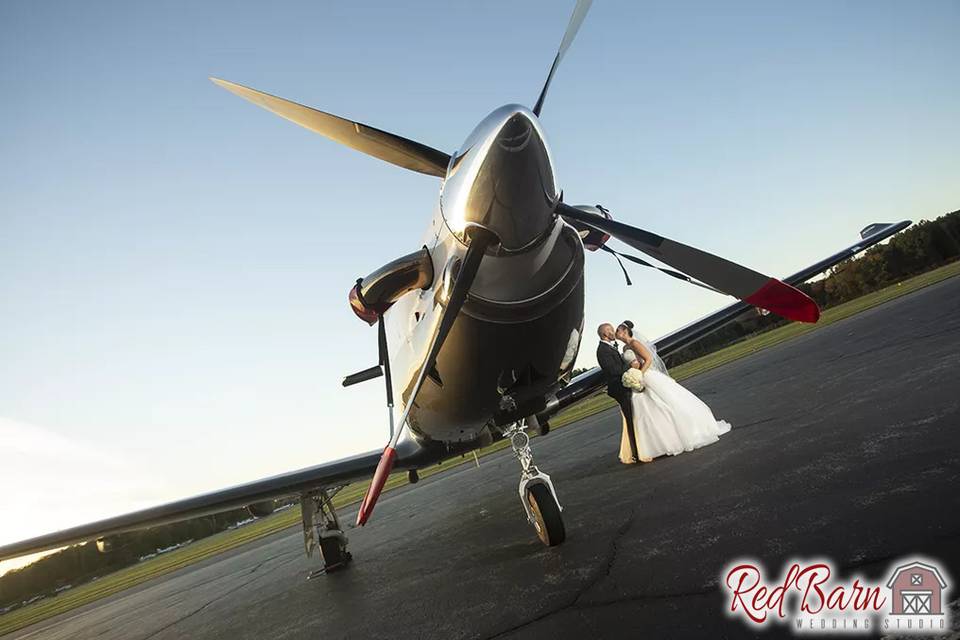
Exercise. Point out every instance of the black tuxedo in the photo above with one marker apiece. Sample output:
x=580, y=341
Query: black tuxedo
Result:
x=613, y=366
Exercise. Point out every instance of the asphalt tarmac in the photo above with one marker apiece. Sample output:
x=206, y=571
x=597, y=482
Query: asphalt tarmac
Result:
x=845, y=446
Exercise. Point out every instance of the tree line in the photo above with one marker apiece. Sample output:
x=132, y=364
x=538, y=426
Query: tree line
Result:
x=78, y=564
x=922, y=247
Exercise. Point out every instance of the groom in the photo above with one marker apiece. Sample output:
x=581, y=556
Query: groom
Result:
x=613, y=365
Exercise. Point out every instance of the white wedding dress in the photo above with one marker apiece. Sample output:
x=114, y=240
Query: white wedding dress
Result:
x=668, y=419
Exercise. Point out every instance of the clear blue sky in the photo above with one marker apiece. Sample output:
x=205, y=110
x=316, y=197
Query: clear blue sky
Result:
x=174, y=262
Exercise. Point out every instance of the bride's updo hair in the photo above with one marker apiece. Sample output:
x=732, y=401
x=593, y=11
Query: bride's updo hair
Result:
x=629, y=325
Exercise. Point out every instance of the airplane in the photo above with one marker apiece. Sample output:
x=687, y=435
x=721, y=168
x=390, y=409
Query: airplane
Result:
x=498, y=284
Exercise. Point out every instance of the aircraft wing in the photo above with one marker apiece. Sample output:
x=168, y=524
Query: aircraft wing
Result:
x=330, y=474
x=591, y=381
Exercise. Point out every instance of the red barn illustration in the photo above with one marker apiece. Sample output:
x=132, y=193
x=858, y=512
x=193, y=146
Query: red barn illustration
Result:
x=917, y=589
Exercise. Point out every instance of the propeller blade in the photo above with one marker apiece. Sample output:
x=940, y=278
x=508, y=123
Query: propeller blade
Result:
x=644, y=263
x=373, y=142
x=480, y=239
x=579, y=13
x=725, y=276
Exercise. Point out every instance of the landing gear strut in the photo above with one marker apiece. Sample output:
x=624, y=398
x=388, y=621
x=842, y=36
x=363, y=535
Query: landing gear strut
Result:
x=321, y=530
x=537, y=494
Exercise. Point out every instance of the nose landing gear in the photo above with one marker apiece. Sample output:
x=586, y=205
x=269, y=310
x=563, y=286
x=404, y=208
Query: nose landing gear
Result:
x=537, y=494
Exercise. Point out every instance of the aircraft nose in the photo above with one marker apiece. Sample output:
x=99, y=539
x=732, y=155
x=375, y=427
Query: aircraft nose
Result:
x=504, y=182
x=515, y=133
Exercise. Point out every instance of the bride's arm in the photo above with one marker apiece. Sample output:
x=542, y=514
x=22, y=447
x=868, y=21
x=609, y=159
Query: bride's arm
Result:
x=641, y=350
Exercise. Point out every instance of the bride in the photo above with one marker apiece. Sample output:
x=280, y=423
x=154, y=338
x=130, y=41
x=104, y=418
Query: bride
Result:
x=667, y=419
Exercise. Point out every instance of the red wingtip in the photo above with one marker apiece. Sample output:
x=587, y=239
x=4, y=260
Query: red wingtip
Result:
x=786, y=301
x=376, y=485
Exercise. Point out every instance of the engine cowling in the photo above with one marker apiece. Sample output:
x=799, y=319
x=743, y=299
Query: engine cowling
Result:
x=106, y=544
x=373, y=295
x=262, y=509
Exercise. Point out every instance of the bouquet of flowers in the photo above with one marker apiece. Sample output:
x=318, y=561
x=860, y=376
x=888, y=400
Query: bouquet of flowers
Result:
x=633, y=379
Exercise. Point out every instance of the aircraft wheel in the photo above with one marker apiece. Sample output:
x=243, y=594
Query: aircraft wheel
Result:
x=334, y=555
x=546, y=512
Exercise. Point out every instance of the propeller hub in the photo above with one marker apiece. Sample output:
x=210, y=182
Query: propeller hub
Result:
x=502, y=180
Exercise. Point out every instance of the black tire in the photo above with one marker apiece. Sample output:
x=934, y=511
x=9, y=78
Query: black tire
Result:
x=333, y=554
x=546, y=512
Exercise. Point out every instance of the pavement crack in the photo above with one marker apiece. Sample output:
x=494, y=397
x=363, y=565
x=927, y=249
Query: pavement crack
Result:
x=611, y=558
x=222, y=595
x=221, y=577
x=574, y=602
